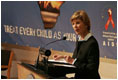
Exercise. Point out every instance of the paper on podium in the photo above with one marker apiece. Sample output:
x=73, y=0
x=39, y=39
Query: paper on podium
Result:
x=61, y=62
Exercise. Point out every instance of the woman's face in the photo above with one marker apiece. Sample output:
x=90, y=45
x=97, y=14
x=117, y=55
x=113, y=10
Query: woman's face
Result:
x=79, y=27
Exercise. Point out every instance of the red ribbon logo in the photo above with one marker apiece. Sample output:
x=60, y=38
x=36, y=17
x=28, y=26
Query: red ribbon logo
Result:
x=110, y=19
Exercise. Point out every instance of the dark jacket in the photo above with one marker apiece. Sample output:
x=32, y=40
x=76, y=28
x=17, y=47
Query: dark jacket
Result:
x=87, y=55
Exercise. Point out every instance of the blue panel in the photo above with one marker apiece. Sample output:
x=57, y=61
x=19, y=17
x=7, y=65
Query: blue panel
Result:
x=21, y=24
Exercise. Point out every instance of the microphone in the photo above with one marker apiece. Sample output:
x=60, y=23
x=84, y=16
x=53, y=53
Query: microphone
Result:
x=46, y=52
x=64, y=38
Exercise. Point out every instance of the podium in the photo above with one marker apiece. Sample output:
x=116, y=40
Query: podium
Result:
x=53, y=70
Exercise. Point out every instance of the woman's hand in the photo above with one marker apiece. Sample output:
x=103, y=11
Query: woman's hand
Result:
x=69, y=59
x=57, y=57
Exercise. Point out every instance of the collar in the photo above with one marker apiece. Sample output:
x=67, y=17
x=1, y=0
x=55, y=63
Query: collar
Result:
x=86, y=37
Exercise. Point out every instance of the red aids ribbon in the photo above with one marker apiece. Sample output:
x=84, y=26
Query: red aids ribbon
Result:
x=110, y=19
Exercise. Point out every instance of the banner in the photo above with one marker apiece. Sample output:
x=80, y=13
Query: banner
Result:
x=27, y=23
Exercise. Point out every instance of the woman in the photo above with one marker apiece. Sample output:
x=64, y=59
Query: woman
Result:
x=86, y=54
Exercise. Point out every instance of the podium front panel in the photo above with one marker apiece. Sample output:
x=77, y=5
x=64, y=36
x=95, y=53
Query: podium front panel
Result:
x=27, y=73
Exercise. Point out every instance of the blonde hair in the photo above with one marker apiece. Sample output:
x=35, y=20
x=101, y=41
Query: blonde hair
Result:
x=82, y=15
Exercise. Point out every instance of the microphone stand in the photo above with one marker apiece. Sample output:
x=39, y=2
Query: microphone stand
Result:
x=43, y=65
x=45, y=61
x=37, y=62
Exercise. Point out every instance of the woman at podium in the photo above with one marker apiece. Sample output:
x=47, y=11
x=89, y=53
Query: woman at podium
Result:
x=86, y=53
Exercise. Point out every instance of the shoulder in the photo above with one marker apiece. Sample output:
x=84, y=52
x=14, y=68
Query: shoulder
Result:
x=92, y=41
